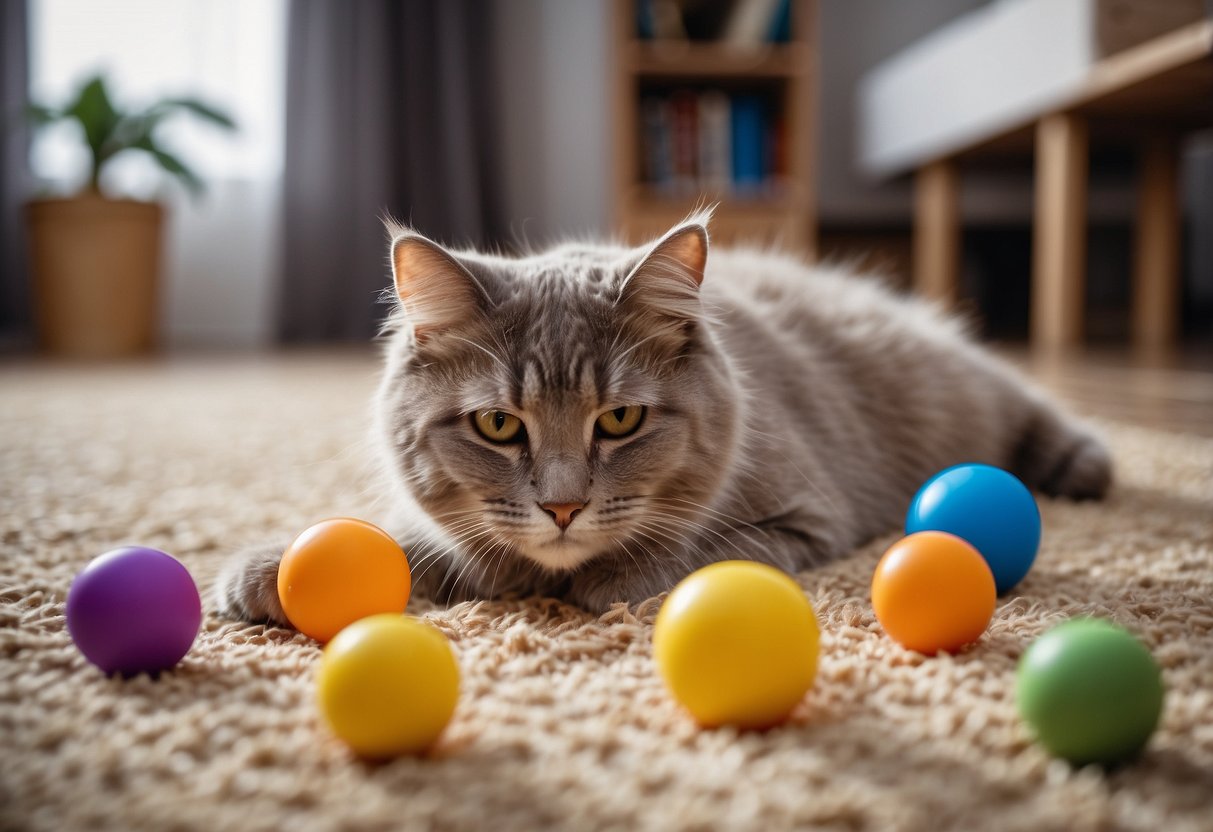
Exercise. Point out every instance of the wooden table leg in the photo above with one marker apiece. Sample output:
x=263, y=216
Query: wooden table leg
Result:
x=937, y=231
x=1156, y=262
x=1059, y=234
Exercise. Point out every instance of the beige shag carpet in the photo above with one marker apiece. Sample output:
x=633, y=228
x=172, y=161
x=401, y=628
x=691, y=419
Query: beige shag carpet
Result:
x=562, y=721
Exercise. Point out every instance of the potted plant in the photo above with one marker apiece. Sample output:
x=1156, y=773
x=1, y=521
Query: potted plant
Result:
x=95, y=260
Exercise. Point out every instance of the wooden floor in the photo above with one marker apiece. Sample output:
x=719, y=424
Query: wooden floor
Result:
x=1172, y=393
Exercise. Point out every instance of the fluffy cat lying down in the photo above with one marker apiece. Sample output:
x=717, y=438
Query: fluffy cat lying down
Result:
x=595, y=422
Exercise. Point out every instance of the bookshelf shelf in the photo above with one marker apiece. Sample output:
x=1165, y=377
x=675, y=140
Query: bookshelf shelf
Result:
x=685, y=60
x=702, y=122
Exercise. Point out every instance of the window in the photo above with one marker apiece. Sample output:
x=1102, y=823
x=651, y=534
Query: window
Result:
x=221, y=252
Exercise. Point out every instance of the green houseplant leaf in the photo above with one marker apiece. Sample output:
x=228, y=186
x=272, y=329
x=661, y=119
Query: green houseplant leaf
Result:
x=97, y=116
x=40, y=116
x=195, y=107
x=109, y=131
x=174, y=166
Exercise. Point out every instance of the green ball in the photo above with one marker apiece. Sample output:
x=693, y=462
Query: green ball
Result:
x=1091, y=692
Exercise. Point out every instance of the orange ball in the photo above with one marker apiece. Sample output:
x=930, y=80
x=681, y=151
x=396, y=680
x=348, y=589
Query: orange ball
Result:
x=932, y=591
x=339, y=571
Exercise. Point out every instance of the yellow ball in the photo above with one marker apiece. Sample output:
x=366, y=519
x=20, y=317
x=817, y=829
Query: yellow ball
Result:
x=387, y=685
x=737, y=643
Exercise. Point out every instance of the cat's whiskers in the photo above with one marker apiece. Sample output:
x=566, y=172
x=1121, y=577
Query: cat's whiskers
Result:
x=441, y=548
x=464, y=525
x=423, y=564
x=474, y=558
x=456, y=513
x=470, y=516
x=701, y=527
x=675, y=537
x=631, y=557
x=648, y=533
x=758, y=482
x=671, y=537
x=461, y=536
x=668, y=572
x=501, y=556
x=788, y=458
x=449, y=586
x=708, y=509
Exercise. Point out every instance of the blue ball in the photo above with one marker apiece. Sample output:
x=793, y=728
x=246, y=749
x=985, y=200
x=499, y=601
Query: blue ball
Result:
x=989, y=508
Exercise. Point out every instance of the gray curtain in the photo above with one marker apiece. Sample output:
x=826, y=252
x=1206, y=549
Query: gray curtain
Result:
x=389, y=111
x=15, y=312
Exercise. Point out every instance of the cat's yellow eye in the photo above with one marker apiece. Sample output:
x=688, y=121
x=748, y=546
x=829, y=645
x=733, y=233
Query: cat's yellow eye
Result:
x=620, y=422
x=497, y=425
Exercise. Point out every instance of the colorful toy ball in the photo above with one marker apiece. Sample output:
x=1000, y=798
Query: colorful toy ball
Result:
x=932, y=591
x=736, y=643
x=1090, y=691
x=988, y=507
x=339, y=571
x=388, y=685
x=134, y=610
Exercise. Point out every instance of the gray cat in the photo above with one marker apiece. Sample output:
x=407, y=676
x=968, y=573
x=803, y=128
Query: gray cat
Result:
x=595, y=422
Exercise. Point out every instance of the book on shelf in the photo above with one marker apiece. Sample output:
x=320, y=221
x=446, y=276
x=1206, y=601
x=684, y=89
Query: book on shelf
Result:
x=709, y=141
x=749, y=143
x=715, y=141
x=739, y=23
x=755, y=22
x=686, y=130
x=657, y=156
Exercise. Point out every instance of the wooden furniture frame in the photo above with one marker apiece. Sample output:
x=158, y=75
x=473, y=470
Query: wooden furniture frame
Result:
x=790, y=69
x=1152, y=93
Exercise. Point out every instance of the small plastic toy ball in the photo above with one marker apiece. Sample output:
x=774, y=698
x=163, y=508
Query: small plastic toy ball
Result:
x=134, y=610
x=736, y=643
x=388, y=685
x=339, y=571
x=1090, y=691
x=932, y=591
x=988, y=507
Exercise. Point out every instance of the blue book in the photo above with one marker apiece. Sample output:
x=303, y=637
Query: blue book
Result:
x=749, y=142
x=644, y=20
x=658, y=142
x=781, y=23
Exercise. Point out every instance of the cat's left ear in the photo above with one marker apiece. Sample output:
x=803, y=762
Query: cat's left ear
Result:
x=666, y=281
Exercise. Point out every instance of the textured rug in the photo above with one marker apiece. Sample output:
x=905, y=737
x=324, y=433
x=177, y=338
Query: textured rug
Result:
x=562, y=721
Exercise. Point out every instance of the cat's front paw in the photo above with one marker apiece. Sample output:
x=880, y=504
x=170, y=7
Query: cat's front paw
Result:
x=247, y=587
x=597, y=590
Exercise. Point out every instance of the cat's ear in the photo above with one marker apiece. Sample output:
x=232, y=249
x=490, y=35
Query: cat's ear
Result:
x=666, y=281
x=436, y=291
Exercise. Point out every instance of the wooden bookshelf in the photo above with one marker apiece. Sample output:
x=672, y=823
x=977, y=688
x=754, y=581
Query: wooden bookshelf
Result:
x=782, y=74
x=698, y=61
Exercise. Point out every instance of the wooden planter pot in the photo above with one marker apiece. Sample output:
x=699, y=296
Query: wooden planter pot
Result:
x=96, y=265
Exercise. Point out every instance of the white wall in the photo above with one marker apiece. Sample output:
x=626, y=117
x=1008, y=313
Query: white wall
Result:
x=221, y=250
x=855, y=35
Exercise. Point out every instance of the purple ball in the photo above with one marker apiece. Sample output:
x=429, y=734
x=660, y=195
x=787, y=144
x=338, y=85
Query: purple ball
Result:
x=134, y=610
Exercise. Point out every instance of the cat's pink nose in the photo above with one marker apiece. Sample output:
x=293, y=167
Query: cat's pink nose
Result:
x=562, y=514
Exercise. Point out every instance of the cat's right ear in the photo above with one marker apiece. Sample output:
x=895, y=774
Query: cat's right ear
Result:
x=436, y=291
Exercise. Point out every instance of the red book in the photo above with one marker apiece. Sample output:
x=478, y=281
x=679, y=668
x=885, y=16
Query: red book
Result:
x=684, y=106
